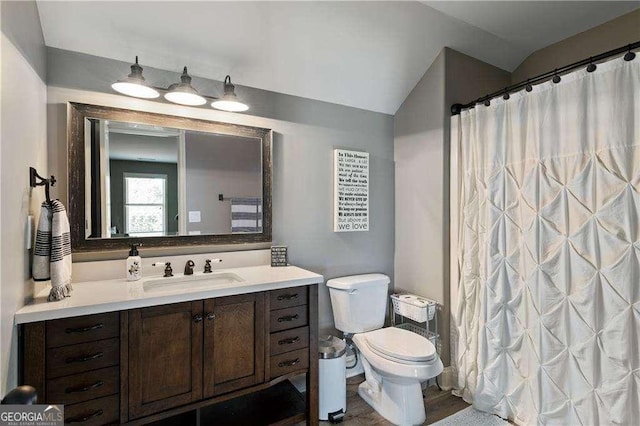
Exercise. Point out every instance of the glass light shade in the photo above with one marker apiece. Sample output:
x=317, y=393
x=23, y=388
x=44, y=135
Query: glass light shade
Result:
x=135, y=89
x=229, y=101
x=183, y=93
x=134, y=85
x=185, y=98
x=231, y=105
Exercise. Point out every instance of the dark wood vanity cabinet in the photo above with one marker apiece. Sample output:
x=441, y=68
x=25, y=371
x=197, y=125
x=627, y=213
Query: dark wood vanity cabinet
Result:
x=184, y=352
x=75, y=362
x=233, y=343
x=143, y=365
x=164, y=357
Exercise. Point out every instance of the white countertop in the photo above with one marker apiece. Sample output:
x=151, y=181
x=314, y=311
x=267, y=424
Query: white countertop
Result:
x=94, y=297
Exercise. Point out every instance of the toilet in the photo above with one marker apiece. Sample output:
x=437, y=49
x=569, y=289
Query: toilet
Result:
x=395, y=361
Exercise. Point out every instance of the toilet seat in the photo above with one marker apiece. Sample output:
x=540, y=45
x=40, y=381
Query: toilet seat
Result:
x=400, y=345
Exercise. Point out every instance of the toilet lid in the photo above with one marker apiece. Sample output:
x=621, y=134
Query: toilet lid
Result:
x=401, y=344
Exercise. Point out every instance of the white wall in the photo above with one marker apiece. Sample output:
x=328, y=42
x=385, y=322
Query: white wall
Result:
x=23, y=144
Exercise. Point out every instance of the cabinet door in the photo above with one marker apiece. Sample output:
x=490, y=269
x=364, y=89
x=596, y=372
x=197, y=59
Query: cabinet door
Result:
x=165, y=357
x=234, y=330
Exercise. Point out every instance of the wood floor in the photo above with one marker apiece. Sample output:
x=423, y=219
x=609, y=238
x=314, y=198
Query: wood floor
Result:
x=439, y=404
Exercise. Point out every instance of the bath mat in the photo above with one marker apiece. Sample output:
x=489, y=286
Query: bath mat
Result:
x=471, y=417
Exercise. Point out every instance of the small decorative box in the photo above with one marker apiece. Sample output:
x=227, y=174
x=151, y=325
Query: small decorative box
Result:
x=278, y=255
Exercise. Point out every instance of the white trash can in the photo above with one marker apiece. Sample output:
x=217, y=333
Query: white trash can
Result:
x=333, y=378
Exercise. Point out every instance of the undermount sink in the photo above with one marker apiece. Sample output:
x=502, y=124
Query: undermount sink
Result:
x=195, y=281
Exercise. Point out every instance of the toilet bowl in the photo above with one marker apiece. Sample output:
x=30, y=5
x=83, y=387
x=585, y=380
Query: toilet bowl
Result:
x=396, y=362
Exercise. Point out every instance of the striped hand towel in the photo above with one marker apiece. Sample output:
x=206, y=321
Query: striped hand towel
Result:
x=52, y=253
x=246, y=215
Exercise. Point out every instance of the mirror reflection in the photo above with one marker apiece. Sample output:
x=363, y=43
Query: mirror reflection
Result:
x=145, y=180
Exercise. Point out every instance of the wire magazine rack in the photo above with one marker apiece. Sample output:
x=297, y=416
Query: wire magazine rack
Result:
x=416, y=314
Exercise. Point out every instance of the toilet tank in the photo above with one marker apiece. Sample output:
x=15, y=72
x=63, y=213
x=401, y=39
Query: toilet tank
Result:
x=359, y=302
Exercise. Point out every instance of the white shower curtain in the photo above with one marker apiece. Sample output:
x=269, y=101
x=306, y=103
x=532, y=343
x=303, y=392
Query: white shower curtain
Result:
x=547, y=188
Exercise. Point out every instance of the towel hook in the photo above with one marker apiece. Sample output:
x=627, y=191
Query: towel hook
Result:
x=36, y=180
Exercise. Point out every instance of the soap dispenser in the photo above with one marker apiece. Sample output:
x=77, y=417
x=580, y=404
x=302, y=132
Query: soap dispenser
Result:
x=134, y=263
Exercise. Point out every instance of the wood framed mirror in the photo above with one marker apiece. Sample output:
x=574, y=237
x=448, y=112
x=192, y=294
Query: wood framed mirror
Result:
x=164, y=180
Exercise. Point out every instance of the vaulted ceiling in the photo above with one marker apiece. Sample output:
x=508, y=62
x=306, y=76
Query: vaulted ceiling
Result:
x=367, y=55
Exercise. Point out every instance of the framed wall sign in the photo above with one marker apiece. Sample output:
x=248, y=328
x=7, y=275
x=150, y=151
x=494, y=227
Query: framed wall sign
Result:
x=279, y=256
x=350, y=191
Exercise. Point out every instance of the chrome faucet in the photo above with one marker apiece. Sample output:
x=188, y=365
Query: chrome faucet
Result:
x=188, y=268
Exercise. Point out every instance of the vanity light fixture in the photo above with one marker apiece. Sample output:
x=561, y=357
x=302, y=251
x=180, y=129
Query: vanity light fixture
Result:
x=135, y=85
x=229, y=101
x=183, y=93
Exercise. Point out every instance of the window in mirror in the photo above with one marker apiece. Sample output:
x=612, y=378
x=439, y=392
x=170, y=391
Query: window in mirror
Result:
x=145, y=205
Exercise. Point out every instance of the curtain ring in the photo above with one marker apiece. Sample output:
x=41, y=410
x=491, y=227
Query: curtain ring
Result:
x=528, y=87
x=629, y=56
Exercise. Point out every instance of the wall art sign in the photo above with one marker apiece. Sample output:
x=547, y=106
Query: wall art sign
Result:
x=351, y=191
x=279, y=256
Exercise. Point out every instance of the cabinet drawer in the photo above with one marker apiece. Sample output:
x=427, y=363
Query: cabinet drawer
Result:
x=284, y=319
x=96, y=412
x=69, y=331
x=73, y=359
x=289, y=340
x=287, y=297
x=288, y=362
x=83, y=386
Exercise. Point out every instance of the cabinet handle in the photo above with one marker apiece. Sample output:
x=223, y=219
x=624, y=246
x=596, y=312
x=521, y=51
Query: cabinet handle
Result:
x=85, y=358
x=197, y=318
x=288, y=296
x=289, y=341
x=211, y=316
x=288, y=318
x=79, y=419
x=84, y=329
x=289, y=363
x=86, y=388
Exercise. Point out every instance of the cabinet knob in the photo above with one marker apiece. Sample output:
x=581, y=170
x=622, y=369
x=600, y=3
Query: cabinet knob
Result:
x=211, y=316
x=197, y=318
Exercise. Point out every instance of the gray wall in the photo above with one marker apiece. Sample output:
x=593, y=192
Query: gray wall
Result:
x=22, y=144
x=217, y=164
x=610, y=35
x=20, y=23
x=117, y=169
x=422, y=146
x=305, y=134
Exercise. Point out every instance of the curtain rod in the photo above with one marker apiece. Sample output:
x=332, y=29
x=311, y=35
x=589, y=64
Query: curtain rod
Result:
x=457, y=108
